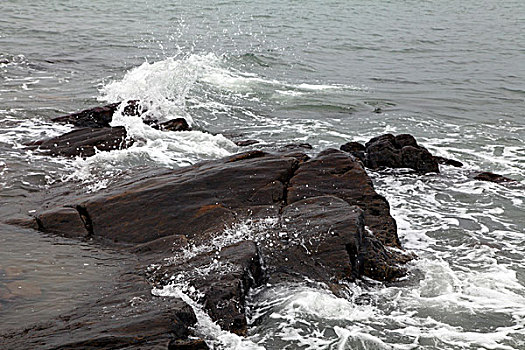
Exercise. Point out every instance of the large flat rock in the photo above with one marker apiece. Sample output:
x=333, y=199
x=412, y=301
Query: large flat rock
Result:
x=327, y=224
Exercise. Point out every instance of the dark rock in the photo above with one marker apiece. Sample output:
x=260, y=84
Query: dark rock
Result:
x=98, y=117
x=167, y=244
x=319, y=239
x=296, y=146
x=401, y=151
x=101, y=117
x=191, y=200
x=379, y=262
x=128, y=318
x=419, y=159
x=336, y=173
x=389, y=151
x=383, y=151
x=232, y=271
x=65, y=222
x=447, y=161
x=329, y=225
x=84, y=142
x=189, y=344
x=178, y=124
x=356, y=149
x=246, y=143
x=404, y=140
x=351, y=147
x=24, y=221
x=188, y=201
x=491, y=177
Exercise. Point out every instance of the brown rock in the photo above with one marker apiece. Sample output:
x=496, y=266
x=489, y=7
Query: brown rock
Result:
x=246, y=143
x=178, y=124
x=98, y=117
x=491, y=177
x=23, y=289
x=447, y=161
x=319, y=239
x=235, y=184
x=84, y=142
x=400, y=151
x=128, y=318
x=338, y=174
x=66, y=222
x=231, y=272
x=356, y=149
x=322, y=208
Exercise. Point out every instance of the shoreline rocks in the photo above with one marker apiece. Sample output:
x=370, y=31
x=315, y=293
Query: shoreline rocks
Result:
x=389, y=151
x=94, y=132
x=85, y=142
x=403, y=151
x=219, y=229
x=491, y=177
x=328, y=225
x=130, y=318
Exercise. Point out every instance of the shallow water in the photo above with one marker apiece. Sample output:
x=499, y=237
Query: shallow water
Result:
x=451, y=73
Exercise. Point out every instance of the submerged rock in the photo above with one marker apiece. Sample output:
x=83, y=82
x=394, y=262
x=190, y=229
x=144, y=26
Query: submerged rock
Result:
x=177, y=124
x=246, y=143
x=447, y=161
x=491, y=177
x=130, y=318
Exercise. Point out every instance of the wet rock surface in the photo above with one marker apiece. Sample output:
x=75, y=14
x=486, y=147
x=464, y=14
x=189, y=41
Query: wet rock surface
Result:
x=322, y=210
x=403, y=151
x=94, y=132
x=492, y=177
x=218, y=229
x=316, y=219
x=129, y=318
x=98, y=117
x=447, y=161
x=177, y=124
x=389, y=151
x=85, y=142
x=336, y=173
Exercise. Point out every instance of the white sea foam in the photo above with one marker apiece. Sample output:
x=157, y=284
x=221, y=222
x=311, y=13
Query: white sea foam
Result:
x=210, y=331
x=161, y=86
